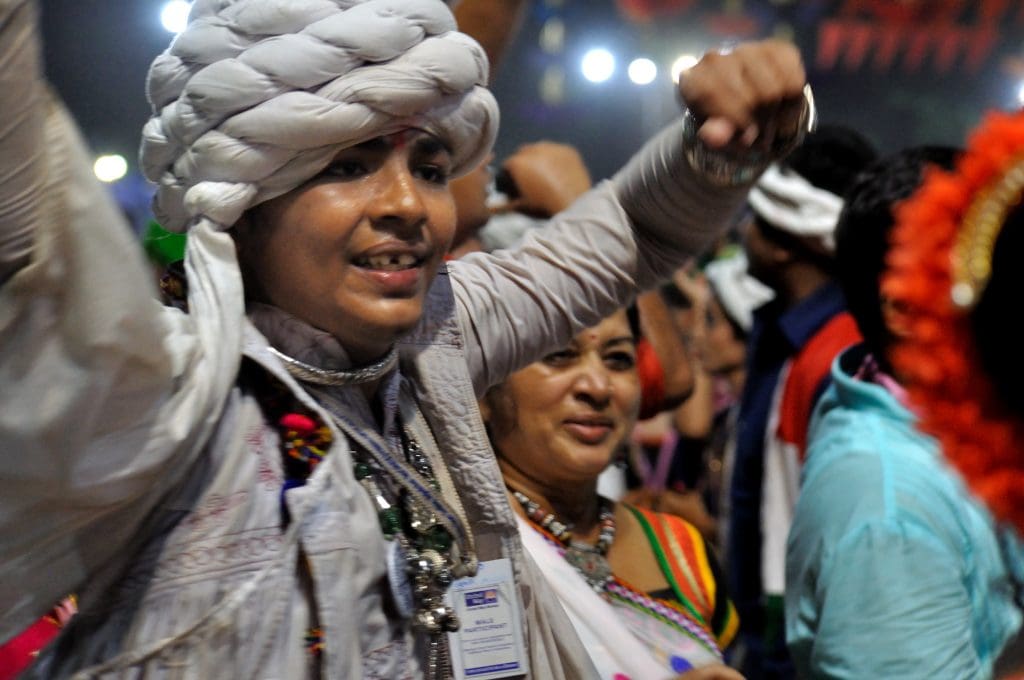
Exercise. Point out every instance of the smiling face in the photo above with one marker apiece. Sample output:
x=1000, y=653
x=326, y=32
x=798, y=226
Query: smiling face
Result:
x=561, y=420
x=354, y=250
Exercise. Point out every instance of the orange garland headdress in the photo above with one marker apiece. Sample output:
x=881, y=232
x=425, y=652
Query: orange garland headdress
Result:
x=939, y=264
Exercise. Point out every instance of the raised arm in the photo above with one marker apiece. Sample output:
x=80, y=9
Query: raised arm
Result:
x=626, y=235
x=493, y=23
x=104, y=394
x=22, y=139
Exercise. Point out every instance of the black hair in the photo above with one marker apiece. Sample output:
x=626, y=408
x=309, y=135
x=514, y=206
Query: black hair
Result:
x=831, y=157
x=999, y=339
x=633, y=316
x=862, y=235
x=674, y=297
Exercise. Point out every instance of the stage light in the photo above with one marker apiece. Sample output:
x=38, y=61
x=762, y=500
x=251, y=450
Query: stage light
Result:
x=598, y=65
x=643, y=71
x=174, y=15
x=681, y=65
x=1020, y=94
x=110, y=168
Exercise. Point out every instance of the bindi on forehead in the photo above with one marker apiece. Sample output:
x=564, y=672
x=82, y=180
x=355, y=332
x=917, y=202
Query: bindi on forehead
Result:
x=408, y=137
x=402, y=138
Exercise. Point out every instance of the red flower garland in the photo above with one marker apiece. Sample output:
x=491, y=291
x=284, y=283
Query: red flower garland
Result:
x=939, y=361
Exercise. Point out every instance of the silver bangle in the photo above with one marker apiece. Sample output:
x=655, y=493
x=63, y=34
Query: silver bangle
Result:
x=733, y=165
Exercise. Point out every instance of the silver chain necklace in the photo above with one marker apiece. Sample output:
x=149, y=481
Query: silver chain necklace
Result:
x=339, y=378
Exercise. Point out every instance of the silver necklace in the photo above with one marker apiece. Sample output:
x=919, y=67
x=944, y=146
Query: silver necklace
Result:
x=321, y=376
x=591, y=561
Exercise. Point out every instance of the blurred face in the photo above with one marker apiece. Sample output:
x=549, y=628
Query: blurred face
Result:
x=354, y=250
x=763, y=256
x=562, y=419
x=719, y=349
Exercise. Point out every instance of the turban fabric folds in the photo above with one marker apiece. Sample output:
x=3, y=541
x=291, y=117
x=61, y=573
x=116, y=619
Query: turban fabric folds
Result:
x=788, y=202
x=256, y=97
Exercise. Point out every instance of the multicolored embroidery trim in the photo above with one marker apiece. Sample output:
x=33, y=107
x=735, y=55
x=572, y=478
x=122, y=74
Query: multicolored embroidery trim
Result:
x=683, y=558
x=664, y=612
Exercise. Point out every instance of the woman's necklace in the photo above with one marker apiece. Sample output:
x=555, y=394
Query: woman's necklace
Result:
x=591, y=561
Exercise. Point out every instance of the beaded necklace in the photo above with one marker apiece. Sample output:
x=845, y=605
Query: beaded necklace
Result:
x=591, y=561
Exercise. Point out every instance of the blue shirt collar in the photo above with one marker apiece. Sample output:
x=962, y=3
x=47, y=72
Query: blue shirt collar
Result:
x=798, y=323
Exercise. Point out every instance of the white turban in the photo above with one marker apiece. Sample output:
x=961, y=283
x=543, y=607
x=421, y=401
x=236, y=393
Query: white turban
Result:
x=738, y=292
x=256, y=97
x=788, y=202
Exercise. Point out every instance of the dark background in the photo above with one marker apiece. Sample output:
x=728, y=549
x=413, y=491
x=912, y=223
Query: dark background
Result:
x=97, y=53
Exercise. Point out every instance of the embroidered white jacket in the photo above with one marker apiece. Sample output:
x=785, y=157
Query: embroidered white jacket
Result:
x=138, y=474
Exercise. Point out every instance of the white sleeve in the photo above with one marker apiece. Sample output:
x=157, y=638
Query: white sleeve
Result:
x=104, y=393
x=22, y=154
x=626, y=235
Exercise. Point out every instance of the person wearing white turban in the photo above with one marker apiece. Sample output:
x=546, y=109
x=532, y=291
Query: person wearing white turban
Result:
x=283, y=481
x=790, y=246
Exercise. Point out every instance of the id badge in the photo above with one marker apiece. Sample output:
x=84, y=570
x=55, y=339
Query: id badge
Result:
x=489, y=643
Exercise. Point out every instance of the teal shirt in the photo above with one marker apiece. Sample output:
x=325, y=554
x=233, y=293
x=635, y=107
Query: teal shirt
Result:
x=892, y=569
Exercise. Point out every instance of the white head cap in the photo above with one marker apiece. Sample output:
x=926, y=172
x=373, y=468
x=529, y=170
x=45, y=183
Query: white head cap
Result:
x=738, y=292
x=788, y=202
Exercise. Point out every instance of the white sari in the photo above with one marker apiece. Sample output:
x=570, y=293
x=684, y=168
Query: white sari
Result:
x=607, y=629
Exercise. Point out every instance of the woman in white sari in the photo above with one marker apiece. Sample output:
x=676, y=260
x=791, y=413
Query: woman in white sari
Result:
x=641, y=588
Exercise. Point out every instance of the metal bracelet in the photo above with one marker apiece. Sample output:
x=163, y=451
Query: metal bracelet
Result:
x=734, y=165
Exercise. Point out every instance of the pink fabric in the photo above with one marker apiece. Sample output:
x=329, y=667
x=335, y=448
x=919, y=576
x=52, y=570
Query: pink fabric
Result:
x=869, y=371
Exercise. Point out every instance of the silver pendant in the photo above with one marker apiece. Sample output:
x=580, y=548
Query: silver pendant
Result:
x=591, y=564
x=421, y=519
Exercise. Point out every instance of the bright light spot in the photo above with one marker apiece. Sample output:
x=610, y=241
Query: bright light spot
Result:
x=174, y=15
x=643, y=71
x=110, y=168
x=682, y=65
x=1020, y=94
x=598, y=65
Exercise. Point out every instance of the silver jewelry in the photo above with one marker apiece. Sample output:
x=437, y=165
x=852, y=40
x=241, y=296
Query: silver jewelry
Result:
x=731, y=165
x=321, y=376
x=591, y=561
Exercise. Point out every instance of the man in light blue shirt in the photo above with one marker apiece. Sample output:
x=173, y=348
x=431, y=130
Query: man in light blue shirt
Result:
x=893, y=570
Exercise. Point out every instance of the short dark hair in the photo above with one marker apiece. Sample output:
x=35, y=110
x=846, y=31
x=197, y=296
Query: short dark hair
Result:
x=831, y=157
x=999, y=340
x=862, y=235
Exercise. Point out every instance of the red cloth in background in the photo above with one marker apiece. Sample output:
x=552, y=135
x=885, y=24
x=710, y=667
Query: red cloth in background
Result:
x=16, y=655
x=809, y=371
x=652, y=379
